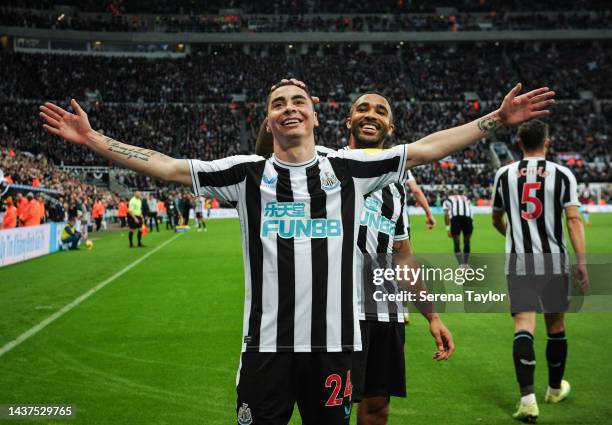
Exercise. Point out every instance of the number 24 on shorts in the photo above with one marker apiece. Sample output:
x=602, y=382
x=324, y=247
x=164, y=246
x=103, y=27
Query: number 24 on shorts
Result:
x=335, y=381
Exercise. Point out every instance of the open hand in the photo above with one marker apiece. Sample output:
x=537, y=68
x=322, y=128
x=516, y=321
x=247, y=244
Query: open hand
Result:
x=534, y=104
x=59, y=122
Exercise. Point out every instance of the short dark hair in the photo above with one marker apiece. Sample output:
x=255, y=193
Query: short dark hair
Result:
x=532, y=134
x=391, y=112
x=286, y=82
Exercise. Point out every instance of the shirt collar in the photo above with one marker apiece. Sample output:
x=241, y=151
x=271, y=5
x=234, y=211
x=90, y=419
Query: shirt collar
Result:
x=290, y=165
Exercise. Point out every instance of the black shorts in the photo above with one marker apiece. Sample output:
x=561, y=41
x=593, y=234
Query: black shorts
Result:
x=134, y=224
x=380, y=369
x=460, y=224
x=269, y=384
x=539, y=293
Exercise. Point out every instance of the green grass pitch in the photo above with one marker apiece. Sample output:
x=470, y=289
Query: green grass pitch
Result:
x=160, y=344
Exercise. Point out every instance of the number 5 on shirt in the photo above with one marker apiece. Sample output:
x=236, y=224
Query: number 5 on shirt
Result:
x=527, y=198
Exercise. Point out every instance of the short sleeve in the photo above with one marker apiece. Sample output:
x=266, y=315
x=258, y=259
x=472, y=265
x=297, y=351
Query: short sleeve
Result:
x=446, y=205
x=570, y=190
x=221, y=178
x=498, y=200
x=373, y=169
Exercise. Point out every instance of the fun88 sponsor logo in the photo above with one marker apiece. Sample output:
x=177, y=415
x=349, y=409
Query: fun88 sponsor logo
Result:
x=372, y=218
x=288, y=220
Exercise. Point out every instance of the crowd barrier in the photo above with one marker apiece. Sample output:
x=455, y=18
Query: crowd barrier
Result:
x=22, y=243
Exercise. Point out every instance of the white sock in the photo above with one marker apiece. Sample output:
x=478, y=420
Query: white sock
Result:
x=528, y=399
x=554, y=391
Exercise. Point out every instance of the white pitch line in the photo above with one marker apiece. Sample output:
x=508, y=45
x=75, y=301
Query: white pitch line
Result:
x=37, y=328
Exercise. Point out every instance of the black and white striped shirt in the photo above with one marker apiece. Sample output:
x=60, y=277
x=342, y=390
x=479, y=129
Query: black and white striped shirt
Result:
x=384, y=219
x=299, y=226
x=457, y=206
x=534, y=192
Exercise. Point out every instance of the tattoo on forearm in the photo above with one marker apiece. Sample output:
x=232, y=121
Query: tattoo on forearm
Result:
x=487, y=124
x=129, y=151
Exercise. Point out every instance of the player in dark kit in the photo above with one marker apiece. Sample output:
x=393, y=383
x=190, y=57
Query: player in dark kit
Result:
x=530, y=198
x=299, y=215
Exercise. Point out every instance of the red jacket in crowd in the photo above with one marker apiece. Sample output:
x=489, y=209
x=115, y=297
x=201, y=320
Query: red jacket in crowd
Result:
x=97, y=210
x=31, y=216
x=122, y=209
x=10, y=217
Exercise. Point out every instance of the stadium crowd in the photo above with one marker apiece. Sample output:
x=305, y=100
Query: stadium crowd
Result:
x=183, y=130
x=184, y=107
x=24, y=168
x=196, y=78
x=422, y=72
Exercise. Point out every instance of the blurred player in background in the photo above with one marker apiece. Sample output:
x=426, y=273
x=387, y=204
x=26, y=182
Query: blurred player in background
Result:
x=458, y=219
x=528, y=204
x=200, y=211
x=185, y=208
x=585, y=198
x=152, y=212
x=135, y=219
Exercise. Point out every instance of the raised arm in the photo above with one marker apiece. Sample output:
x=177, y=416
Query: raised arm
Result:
x=513, y=110
x=76, y=129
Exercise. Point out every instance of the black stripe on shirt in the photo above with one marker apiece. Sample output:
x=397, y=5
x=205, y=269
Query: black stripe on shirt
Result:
x=541, y=220
x=253, y=210
x=229, y=177
x=386, y=211
x=558, y=209
x=319, y=250
x=527, y=246
x=347, y=196
x=505, y=188
x=286, y=271
x=369, y=169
